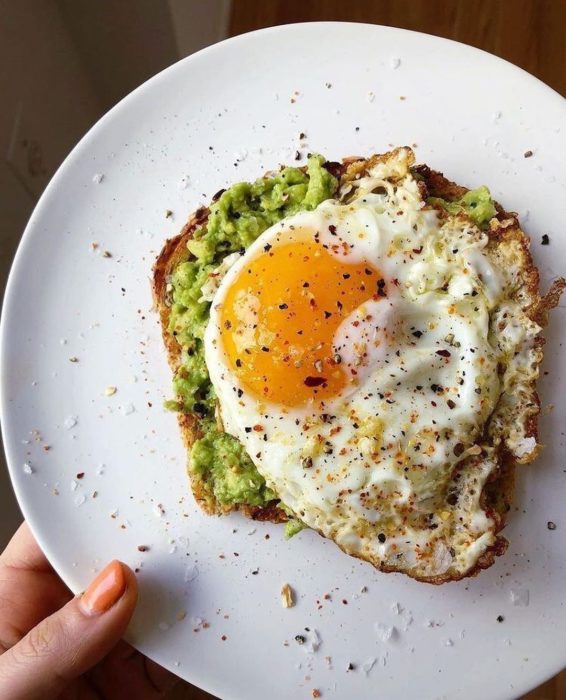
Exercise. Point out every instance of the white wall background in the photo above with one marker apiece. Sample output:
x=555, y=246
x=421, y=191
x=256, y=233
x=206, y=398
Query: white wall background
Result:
x=63, y=63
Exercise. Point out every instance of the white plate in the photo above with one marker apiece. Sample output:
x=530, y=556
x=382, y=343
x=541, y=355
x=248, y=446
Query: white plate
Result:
x=171, y=145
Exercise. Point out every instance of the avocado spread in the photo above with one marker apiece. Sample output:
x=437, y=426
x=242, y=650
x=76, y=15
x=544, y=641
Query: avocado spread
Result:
x=244, y=211
x=476, y=204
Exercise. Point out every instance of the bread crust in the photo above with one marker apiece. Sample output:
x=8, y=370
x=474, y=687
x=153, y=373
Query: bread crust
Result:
x=497, y=495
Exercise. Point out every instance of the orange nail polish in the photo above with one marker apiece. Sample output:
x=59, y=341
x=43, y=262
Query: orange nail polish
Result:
x=106, y=589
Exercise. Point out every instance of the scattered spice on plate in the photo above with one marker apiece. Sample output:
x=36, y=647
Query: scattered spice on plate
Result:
x=142, y=548
x=545, y=239
x=528, y=154
x=550, y=525
x=287, y=596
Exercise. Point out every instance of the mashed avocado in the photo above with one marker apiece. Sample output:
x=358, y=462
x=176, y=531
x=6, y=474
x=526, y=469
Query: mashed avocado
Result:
x=221, y=461
x=237, y=218
x=477, y=204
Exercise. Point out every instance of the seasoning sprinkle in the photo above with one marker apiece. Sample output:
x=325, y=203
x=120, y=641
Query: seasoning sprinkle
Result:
x=287, y=597
x=314, y=381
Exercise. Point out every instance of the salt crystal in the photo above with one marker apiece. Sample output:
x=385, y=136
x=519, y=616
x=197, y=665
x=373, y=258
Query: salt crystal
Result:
x=396, y=608
x=448, y=642
x=163, y=626
x=368, y=665
x=74, y=485
x=126, y=409
x=519, y=597
x=28, y=469
x=395, y=62
x=496, y=116
x=177, y=663
x=63, y=341
x=184, y=182
x=25, y=442
x=191, y=573
x=312, y=642
x=407, y=619
x=241, y=155
x=384, y=632
x=370, y=97
x=507, y=642
x=173, y=549
x=70, y=422
x=79, y=500
x=97, y=178
x=252, y=531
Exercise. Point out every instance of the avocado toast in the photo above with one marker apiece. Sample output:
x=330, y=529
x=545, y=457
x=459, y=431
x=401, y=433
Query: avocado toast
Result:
x=223, y=477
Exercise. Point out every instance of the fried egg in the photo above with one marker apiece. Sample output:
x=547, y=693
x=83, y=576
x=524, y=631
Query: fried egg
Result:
x=352, y=352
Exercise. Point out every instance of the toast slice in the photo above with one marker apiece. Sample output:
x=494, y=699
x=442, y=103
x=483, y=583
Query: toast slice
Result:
x=505, y=239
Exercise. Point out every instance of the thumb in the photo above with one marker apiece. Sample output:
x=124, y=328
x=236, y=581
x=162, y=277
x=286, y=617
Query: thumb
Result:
x=72, y=640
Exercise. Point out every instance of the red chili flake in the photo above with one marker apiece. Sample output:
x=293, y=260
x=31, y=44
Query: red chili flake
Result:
x=443, y=353
x=314, y=381
x=223, y=637
x=258, y=428
x=80, y=475
x=332, y=229
x=451, y=403
x=418, y=250
x=142, y=548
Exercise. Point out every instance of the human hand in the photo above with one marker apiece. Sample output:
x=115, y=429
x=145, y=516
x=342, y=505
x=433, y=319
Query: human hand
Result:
x=54, y=645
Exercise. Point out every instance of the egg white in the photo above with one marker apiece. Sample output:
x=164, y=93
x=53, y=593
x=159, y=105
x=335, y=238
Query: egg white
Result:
x=400, y=482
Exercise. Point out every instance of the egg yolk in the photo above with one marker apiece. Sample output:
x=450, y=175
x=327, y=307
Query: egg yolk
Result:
x=280, y=316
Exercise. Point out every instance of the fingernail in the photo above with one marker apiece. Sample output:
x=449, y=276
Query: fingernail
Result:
x=106, y=589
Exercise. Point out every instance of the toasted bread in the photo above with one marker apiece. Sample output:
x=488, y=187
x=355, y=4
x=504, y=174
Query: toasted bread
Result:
x=504, y=231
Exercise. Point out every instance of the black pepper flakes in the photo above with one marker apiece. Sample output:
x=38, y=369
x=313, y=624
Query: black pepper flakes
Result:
x=300, y=639
x=550, y=525
x=500, y=618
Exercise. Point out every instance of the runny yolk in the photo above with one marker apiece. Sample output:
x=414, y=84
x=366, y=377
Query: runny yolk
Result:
x=280, y=316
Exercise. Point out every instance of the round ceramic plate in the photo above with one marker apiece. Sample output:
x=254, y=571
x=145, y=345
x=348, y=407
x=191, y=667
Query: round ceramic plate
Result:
x=78, y=319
